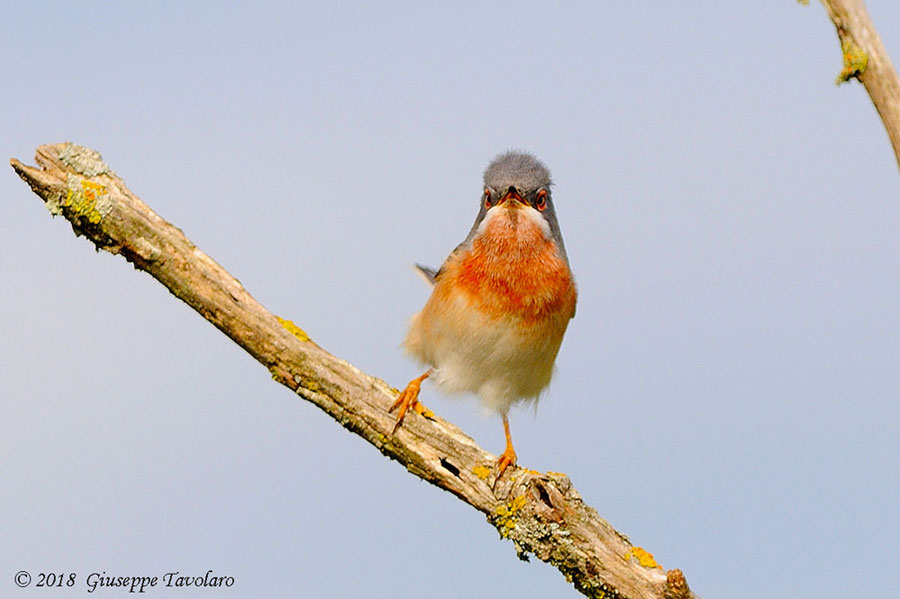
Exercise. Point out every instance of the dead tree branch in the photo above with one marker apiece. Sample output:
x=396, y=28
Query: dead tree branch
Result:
x=541, y=513
x=866, y=59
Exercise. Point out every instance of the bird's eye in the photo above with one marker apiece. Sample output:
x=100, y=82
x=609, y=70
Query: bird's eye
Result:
x=487, y=199
x=541, y=201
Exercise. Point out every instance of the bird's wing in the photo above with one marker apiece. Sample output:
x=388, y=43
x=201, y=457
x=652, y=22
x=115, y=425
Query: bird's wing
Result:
x=428, y=273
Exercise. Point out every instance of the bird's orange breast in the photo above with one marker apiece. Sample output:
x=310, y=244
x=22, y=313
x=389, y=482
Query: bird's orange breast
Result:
x=513, y=269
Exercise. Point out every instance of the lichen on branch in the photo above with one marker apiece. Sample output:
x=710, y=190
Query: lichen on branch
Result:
x=541, y=513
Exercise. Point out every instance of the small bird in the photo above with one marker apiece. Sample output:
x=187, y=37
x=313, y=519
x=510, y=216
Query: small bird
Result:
x=501, y=302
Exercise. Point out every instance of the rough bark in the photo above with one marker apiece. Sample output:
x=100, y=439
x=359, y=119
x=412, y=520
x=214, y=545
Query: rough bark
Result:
x=541, y=513
x=866, y=60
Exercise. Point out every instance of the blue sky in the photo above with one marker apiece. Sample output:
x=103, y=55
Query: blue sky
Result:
x=727, y=395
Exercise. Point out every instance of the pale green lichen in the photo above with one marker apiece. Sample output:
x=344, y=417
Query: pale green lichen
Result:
x=53, y=204
x=515, y=522
x=83, y=160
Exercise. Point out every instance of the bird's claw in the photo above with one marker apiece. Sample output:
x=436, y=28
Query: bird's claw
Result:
x=507, y=458
x=405, y=405
x=409, y=399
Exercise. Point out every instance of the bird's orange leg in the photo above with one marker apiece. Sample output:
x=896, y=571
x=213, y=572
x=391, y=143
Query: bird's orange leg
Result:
x=409, y=398
x=508, y=457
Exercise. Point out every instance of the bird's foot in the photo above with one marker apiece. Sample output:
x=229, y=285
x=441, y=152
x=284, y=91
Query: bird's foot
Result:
x=409, y=399
x=507, y=459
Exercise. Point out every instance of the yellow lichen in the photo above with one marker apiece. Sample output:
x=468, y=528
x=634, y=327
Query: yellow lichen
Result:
x=81, y=198
x=425, y=412
x=506, y=515
x=644, y=557
x=92, y=190
x=481, y=472
x=855, y=62
x=293, y=329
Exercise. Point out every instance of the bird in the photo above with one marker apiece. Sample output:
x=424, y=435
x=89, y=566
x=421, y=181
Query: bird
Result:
x=500, y=303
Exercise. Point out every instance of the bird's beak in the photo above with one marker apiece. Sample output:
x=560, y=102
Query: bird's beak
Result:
x=512, y=194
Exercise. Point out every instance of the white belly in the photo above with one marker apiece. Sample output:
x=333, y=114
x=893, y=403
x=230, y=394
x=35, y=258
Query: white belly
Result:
x=499, y=360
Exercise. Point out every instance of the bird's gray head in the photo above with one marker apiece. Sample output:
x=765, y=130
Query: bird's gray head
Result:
x=522, y=176
x=516, y=169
